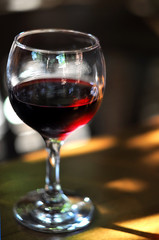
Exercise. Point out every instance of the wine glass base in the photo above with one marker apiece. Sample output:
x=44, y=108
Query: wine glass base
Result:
x=75, y=215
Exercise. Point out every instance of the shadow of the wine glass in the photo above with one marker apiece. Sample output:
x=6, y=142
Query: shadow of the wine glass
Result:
x=144, y=234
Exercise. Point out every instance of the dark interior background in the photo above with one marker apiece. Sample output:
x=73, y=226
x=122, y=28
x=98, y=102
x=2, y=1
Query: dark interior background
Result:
x=129, y=34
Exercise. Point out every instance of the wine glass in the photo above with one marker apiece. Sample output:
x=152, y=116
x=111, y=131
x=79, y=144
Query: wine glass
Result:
x=56, y=81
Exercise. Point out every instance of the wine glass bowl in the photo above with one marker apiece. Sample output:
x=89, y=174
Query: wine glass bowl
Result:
x=56, y=81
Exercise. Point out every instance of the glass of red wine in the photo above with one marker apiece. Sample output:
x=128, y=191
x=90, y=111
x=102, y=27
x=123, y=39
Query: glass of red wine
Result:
x=56, y=81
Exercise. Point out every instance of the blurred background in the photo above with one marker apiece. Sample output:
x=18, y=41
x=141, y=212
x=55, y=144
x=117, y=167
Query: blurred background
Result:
x=129, y=34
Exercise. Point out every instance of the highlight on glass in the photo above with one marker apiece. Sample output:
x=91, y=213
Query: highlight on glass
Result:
x=56, y=81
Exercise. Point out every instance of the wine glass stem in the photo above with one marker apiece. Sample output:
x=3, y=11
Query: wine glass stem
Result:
x=52, y=180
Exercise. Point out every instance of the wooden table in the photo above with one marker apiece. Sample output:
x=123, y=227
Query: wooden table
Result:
x=119, y=173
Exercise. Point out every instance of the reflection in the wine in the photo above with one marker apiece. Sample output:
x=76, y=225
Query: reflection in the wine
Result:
x=10, y=114
x=3, y=130
x=2, y=120
x=27, y=140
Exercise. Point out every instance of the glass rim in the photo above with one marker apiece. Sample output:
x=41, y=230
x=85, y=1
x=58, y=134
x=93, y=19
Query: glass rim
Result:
x=92, y=46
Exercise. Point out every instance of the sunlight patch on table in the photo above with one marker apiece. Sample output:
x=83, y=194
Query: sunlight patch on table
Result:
x=136, y=229
x=151, y=159
x=76, y=148
x=145, y=226
x=145, y=140
x=105, y=233
x=127, y=185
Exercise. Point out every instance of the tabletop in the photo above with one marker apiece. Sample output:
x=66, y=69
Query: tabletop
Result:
x=119, y=173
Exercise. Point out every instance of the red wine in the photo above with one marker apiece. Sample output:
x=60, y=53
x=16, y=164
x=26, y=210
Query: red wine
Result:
x=55, y=107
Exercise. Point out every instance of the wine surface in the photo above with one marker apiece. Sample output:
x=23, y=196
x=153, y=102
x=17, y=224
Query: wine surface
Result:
x=55, y=107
